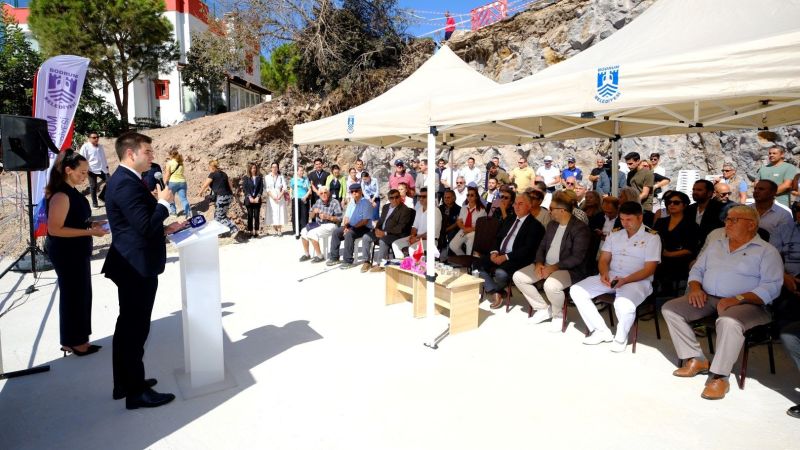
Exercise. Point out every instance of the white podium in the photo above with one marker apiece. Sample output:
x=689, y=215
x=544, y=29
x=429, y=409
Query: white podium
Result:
x=204, y=361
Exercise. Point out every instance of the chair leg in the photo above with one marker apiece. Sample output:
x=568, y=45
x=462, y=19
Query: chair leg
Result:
x=743, y=369
x=771, y=357
x=508, y=298
x=564, y=316
x=655, y=318
x=635, y=332
x=610, y=315
x=710, y=340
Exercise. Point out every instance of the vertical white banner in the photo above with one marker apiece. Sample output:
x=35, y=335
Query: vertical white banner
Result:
x=56, y=93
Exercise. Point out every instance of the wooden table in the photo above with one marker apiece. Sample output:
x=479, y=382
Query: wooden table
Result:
x=457, y=297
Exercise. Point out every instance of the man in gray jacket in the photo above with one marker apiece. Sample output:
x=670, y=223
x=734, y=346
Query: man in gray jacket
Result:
x=560, y=261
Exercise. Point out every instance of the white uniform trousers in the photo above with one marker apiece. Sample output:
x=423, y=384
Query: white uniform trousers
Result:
x=628, y=297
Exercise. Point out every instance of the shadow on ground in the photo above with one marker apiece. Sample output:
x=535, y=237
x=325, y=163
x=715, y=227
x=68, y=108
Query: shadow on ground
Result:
x=72, y=403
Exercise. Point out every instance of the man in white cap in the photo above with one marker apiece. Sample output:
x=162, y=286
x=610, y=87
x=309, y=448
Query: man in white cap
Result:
x=550, y=173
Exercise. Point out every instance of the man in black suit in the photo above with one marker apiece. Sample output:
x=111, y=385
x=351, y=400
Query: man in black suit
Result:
x=395, y=222
x=706, y=210
x=150, y=179
x=515, y=247
x=135, y=259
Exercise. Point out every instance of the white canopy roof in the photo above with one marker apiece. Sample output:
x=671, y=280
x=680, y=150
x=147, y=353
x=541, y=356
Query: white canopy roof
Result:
x=401, y=115
x=682, y=66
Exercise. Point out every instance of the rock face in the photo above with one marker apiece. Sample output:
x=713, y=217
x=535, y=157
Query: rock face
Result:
x=550, y=32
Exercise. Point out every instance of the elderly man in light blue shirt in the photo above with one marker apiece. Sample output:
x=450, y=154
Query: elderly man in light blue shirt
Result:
x=357, y=222
x=734, y=277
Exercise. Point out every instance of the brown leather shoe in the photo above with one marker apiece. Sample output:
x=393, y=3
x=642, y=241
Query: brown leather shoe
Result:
x=692, y=367
x=716, y=389
x=497, y=302
x=365, y=267
x=378, y=269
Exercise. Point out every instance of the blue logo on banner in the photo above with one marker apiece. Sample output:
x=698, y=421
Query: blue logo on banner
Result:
x=62, y=89
x=351, y=124
x=607, y=84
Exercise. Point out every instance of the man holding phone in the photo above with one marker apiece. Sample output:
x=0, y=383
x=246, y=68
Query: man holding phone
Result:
x=627, y=263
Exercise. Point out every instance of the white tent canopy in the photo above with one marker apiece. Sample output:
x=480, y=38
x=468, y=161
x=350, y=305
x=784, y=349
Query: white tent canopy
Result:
x=682, y=66
x=400, y=117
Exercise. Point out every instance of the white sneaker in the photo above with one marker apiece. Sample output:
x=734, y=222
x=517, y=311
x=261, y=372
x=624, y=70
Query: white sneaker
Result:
x=541, y=315
x=598, y=337
x=556, y=323
x=619, y=347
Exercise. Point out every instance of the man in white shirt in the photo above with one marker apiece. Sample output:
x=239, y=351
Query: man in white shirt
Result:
x=98, y=165
x=419, y=230
x=734, y=277
x=627, y=263
x=550, y=174
x=460, y=191
x=472, y=174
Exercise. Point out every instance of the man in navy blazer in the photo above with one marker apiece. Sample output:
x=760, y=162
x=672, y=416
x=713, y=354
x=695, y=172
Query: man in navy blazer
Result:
x=135, y=259
x=515, y=248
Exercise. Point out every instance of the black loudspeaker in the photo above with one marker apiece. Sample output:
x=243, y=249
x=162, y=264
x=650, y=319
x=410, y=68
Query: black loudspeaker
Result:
x=24, y=143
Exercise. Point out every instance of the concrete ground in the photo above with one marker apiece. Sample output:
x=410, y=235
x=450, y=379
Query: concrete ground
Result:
x=323, y=364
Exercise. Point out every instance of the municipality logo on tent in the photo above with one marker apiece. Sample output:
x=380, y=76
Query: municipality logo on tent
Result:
x=607, y=84
x=351, y=124
x=62, y=89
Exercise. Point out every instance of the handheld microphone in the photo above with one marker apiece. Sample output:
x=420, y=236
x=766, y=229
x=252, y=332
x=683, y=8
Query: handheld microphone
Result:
x=159, y=179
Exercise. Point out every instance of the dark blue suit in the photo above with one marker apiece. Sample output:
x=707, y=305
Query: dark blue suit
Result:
x=135, y=259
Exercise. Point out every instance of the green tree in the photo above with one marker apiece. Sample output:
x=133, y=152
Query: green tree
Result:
x=18, y=65
x=279, y=72
x=124, y=39
x=215, y=54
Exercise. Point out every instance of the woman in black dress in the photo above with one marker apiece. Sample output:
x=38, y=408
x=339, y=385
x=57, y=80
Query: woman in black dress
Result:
x=253, y=185
x=70, y=248
x=679, y=240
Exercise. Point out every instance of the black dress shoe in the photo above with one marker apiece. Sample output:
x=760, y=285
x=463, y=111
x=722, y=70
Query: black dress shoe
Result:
x=794, y=411
x=148, y=399
x=120, y=394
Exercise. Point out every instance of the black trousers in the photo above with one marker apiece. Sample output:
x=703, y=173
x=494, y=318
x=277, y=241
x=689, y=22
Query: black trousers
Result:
x=302, y=213
x=75, y=297
x=136, y=297
x=93, y=184
x=253, y=216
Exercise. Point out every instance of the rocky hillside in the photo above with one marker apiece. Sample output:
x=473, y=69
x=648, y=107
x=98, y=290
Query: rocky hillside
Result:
x=530, y=41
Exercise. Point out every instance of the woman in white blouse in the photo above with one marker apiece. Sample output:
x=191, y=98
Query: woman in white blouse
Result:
x=275, y=190
x=469, y=215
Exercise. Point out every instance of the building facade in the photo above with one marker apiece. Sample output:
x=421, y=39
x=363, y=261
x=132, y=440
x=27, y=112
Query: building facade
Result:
x=165, y=100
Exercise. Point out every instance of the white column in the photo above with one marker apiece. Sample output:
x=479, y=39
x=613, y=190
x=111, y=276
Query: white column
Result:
x=430, y=243
x=615, y=161
x=296, y=201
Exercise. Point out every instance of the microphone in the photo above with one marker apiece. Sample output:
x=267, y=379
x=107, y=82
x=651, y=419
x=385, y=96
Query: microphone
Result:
x=159, y=179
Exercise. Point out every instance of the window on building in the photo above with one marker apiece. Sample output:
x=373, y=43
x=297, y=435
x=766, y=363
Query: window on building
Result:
x=162, y=89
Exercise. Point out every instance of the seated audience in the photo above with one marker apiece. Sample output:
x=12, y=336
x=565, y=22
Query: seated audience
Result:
x=627, y=263
x=772, y=217
x=470, y=213
x=514, y=248
x=419, y=229
x=371, y=192
x=491, y=193
x=679, y=240
x=538, y=211
x=504, y=210
x=560, y=261
x=323, y=218
x=461, y=191
x=591, y=204
x=577, y=212
x=406, y=197
x=450, y=211
x=394, y=223
x=706, y=210
x=356, y=223
x=722, y=192
x=734, y=278
x=602, y=225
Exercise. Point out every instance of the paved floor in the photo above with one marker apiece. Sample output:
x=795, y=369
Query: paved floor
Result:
x=323, y=364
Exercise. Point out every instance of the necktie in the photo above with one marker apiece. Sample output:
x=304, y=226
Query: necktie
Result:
x=468, y=223
x=508, y=237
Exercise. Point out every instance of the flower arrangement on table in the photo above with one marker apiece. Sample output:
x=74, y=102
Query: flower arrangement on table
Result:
x=414, y=263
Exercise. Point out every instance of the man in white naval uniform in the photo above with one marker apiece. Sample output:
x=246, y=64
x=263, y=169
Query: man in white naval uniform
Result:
x=627, y=263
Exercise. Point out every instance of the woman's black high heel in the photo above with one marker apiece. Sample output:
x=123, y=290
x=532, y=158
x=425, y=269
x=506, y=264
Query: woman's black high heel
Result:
x=92, y=349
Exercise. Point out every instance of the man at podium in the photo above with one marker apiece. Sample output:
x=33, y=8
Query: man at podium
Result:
x=136, y=257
